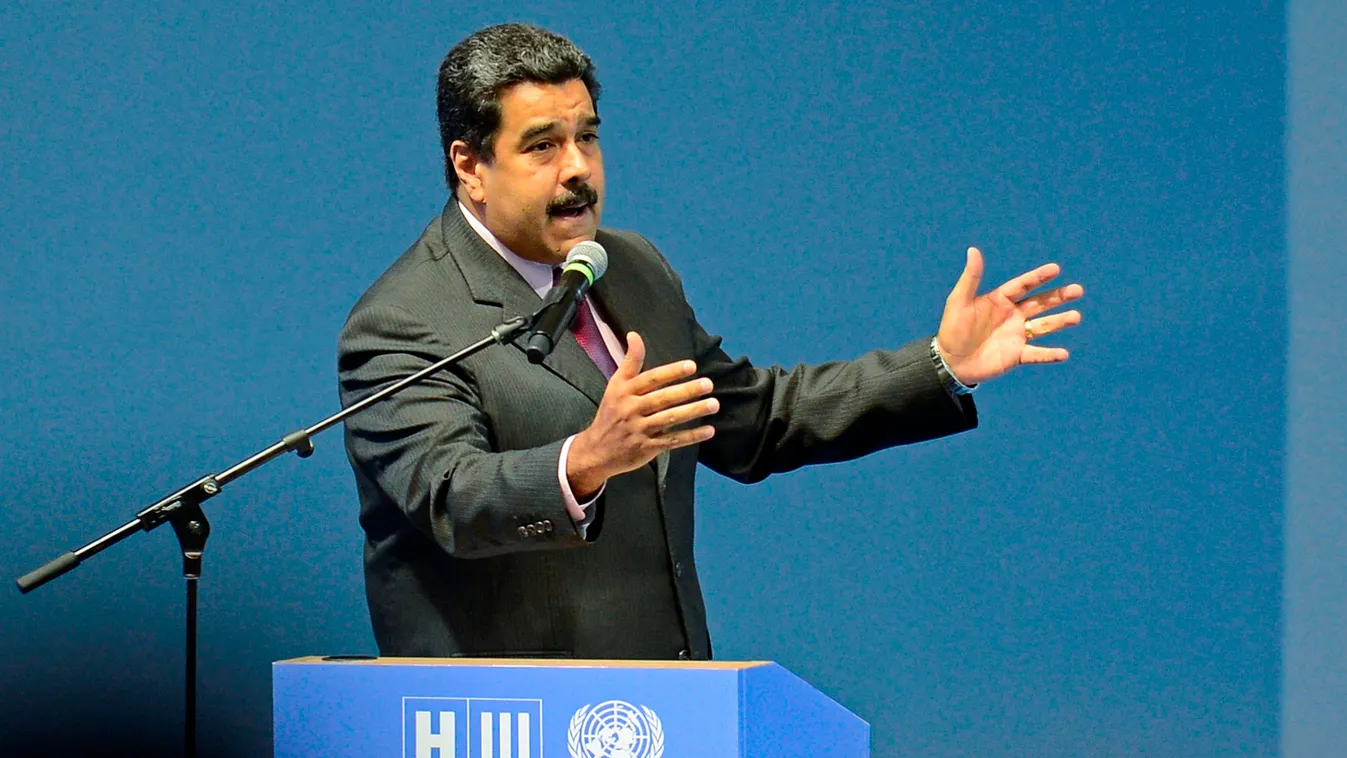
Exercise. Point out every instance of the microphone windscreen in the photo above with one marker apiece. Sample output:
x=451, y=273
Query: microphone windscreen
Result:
x=592, y=254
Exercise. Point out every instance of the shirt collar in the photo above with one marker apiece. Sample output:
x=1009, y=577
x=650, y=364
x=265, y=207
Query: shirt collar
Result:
x=538, y=275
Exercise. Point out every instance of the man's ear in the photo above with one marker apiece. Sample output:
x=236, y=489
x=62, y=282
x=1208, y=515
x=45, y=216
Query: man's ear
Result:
x=468, y=166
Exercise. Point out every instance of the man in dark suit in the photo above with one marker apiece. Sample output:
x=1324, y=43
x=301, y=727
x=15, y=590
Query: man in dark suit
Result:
x=512, y=509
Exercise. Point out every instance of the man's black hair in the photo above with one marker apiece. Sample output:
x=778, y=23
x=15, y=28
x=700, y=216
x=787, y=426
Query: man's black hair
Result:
x=478, y=69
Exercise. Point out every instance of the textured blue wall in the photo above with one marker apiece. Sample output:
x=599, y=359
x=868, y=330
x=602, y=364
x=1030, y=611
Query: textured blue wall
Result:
x=195, y=195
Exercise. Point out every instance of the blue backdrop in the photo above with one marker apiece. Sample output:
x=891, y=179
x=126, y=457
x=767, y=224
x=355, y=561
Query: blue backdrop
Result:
x=196, y=194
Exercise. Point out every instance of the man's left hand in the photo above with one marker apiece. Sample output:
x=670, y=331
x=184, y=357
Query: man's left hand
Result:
x=983, y=336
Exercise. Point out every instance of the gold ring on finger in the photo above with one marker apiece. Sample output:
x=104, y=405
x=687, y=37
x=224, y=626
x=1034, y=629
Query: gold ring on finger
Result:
x=1028, y=332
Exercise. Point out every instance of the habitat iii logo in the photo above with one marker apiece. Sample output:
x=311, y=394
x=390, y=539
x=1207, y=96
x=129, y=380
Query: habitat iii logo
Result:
x=448, y=727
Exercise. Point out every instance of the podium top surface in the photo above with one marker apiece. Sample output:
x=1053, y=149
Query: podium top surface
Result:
x=524, y=663
x=360, y=706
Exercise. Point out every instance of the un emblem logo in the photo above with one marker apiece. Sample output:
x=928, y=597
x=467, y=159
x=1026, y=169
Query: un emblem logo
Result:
x=614, y=729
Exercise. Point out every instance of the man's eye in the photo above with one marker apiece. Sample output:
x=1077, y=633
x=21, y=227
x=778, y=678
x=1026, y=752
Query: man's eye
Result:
x=589, y=137
x=538, y=147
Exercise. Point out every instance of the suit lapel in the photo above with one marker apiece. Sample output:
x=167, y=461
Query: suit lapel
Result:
x=627, y=296
x=493, y=282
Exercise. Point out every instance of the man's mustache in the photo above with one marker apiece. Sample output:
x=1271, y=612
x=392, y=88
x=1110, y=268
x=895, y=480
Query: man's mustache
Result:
x=581, y=195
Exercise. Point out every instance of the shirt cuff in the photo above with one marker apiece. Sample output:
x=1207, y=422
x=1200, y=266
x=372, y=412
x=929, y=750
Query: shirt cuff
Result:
x=952, y=383
x=581, y=513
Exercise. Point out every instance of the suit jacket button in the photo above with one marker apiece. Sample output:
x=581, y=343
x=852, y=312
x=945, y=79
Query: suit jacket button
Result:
x=684, y=655
x=678, y=569
x=547, y=525
x=523, y=532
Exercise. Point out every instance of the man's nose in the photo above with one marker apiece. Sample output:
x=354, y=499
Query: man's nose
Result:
x=575, y=165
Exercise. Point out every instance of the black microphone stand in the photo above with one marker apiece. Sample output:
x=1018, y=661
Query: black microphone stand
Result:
x=183, y=508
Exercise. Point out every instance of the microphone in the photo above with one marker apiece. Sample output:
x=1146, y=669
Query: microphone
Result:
x=585, y=263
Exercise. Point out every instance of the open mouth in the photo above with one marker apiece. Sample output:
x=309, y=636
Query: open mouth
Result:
x=573, y=203
x=570, y=211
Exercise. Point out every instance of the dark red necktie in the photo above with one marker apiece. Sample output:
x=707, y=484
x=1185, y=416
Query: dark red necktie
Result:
x=586, y=331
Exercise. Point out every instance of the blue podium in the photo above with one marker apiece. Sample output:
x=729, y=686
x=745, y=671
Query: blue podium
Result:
x=465, y=708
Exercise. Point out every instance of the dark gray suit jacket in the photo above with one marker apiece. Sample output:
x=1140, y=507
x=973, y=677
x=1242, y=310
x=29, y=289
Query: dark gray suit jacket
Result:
x=469, y=549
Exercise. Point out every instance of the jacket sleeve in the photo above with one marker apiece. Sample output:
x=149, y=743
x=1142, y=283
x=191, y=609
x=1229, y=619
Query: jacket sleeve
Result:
x=773, y=420
x=428, y=450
